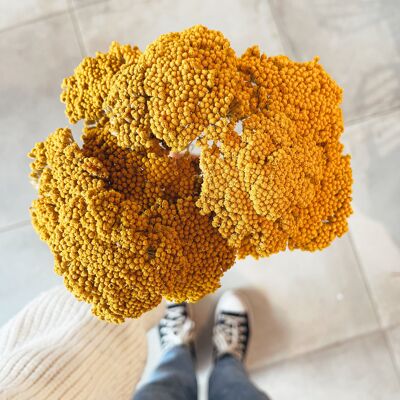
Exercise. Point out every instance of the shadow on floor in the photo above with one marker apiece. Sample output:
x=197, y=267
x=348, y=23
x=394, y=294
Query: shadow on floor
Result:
x=268, y=336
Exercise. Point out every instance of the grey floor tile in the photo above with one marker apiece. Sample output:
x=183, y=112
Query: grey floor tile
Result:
x=303, y=301
x=83, y=3
x=358, y=369
x=140, y=22
x=26, y=269
x=13, y=13
x=358, y=42
x=375, y=224
x=393, y=335
x=299, y=301
x=35, y=59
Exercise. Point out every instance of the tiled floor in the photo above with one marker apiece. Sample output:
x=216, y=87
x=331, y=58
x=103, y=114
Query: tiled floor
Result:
x=357, y=369
x=328, y=323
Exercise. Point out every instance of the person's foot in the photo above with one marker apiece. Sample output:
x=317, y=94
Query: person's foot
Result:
x=231, y=326
x=176, y=328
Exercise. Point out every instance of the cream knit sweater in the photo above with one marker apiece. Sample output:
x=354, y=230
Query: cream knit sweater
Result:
x=56, y=349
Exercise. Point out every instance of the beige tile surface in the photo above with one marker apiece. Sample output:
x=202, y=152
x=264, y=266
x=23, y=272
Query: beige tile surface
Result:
x=299, y=301
x=358, y=369
x=26, y=269
x=83, y=3
x=244, y=22
x=303, y=301
x=35, y=58
x=375, y=225
x=13, y=13
x=358, y=42
x=393, y=336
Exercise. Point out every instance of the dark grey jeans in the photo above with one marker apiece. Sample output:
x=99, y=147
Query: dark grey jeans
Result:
x=175, y=379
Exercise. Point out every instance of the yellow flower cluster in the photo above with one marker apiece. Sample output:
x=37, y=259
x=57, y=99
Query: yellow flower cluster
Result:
x=123, y=225
x=85, y=91
x=281, y=180
x=132, y=216
x=181, y=84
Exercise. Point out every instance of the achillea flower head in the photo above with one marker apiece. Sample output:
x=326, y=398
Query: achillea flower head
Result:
x=123, y=225
x=281, y=181
x=132, y=216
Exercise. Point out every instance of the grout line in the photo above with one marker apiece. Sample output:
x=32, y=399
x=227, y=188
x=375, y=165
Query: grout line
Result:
x=77, y=29
x=34, y=20
x=365, y=281
x=388, y=343
x=88, y=4
x=50, y=15
x=369, y=117
x=328, y=346
x=274, y=21
x=392, y=354
x=14, y=226
x=287, y=45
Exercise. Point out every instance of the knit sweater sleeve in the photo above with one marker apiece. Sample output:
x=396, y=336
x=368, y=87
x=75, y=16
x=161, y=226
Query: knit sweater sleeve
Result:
x=56, y=349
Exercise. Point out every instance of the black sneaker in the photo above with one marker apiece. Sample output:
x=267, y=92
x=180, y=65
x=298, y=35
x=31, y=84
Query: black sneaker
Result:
x=176, y=328
x=231, y=327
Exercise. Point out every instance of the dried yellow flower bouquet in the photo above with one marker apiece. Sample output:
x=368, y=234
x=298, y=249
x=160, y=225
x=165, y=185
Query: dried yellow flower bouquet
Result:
x=134, y=215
